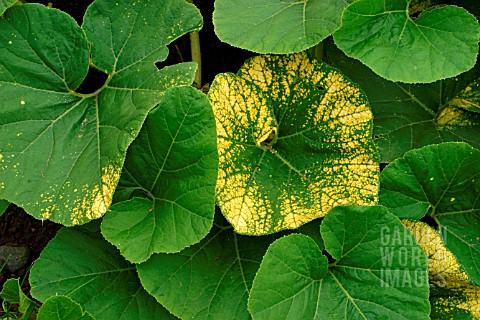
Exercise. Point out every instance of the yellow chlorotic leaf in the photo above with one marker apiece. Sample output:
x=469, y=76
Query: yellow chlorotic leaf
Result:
x=452, y=292
x=294, y=140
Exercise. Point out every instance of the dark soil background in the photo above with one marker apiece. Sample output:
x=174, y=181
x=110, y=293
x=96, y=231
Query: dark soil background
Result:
x=20, y=229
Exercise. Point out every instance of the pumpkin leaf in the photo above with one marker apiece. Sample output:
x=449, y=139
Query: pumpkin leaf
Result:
x=61, y=151
x=266, y=26
x=442, y=181
x=452, y=294
x=410, y=116
x=62, y=308
x=441, y=43
x=212, y=279
x=294, y=140
x=84, y=267
x=174, y=160
x=374, y=275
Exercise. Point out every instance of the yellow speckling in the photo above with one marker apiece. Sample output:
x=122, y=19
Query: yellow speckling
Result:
x=97, y=199
x=259, y=189
x=91, y=203
x=453, y=199
x=22, y=102
x=445, y=271
x=452, y=117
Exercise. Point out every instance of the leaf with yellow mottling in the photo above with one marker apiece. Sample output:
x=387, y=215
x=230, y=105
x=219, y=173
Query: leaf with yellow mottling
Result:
x=62, y=152
x=442, y=181
x=294, y=140
x=452, y=294
x=469, y=98
x=456, y=116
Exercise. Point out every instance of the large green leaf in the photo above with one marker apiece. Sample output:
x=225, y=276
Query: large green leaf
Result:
x=452, y=294
x=376, y=274
x=441, y=43
x=174, y=160
x=444, y=181
x=267, y=26
x=412, y=116
x=61, y=152
x=80, y=264
x=212, y=279
x=294, y=140
x=62, y=308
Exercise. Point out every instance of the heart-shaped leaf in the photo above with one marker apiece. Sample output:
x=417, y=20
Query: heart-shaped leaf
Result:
x=292, y=264
x=266, y=26
x=61, y=152
x=412, y=116
x=444, y=181
x=294, y=140
x=379, y=272
x=441, y=43
x=62, y=308
x=84, y=267
x=212, y=279
x=174, y=160
x=452, y=294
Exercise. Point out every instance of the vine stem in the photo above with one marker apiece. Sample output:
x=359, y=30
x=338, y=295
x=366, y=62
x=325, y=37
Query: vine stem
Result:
x=196, y=56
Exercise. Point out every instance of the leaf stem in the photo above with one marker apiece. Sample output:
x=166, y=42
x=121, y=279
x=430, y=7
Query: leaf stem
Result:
x=196, y=56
